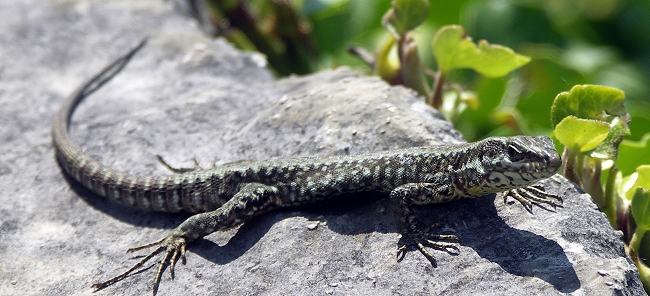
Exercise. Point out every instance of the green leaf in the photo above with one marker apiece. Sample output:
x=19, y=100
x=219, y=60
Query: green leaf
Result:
x=632, y=154
x=640, y=207
x=581, y=135
x=642, y=180
x=595, y=102
x=405, y=15
x=610, y=147
x=454, y=50
x=600, y=103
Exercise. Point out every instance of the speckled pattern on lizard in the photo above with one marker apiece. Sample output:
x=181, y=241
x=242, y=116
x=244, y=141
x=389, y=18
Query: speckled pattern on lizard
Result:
x=225, y=196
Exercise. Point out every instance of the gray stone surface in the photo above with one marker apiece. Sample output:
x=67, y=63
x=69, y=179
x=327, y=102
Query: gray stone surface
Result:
x=186, y=95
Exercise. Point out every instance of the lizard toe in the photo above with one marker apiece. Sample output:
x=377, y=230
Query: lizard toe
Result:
x=173, y=245
x=423, y=240
x=535, y=194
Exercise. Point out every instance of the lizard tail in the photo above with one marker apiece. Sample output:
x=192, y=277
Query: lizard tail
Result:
x=95, y=176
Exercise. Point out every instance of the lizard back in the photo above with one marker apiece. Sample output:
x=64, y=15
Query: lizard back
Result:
x=474, y=169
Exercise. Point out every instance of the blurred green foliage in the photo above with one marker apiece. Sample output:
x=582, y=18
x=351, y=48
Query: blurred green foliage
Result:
x=604, y=42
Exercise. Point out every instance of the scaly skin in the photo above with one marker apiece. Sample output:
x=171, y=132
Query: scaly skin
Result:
x=226, y=196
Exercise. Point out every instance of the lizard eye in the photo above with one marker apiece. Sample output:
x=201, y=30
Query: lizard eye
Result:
x=515, y=154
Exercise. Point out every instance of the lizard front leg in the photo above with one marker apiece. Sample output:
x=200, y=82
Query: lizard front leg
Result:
x=246, y=203
x=409, y=194
x=533, y=194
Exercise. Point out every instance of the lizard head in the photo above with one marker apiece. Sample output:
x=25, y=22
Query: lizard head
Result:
x=512, y=162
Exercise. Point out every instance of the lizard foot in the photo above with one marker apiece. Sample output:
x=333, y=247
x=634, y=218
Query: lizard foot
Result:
x=181, y=170
x=173, y=245
x=423, y=239
x=533, y=194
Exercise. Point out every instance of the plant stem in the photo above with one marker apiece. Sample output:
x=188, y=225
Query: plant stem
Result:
x=436, y=99
x=410, y=66
x=609, y=198
x=568, y=166
x=361, y=53
x=635, y=244
x=591, y=173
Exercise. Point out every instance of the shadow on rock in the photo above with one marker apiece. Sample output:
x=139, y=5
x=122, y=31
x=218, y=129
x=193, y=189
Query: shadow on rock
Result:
x=518, y=252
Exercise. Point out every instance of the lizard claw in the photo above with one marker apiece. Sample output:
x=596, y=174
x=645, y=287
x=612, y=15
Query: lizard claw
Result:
x=533, y=194
x=173, y=245
x=421, y=240
x=180, y=170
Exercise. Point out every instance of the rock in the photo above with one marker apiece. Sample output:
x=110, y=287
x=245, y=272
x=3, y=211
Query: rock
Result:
x=187, y=95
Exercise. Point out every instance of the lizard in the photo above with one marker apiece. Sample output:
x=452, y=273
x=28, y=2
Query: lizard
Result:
x=225, y=196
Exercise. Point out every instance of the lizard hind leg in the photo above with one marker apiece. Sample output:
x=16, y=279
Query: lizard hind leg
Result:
x=180, y=170
x=250, y=200
x=173, y=245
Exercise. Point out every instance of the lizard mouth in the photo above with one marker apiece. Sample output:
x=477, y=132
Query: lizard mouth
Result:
x=547, y=167
x=554, y=161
